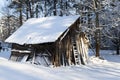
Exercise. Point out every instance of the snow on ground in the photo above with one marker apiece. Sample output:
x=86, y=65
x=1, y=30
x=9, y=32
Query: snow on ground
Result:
x=108, y=69
x=5, y=53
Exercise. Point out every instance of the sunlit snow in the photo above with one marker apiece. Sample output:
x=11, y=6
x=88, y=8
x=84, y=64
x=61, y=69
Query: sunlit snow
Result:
x=41, y=30
x=96, y=69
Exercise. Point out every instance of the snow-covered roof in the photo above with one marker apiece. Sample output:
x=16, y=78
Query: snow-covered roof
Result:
x=41, y=30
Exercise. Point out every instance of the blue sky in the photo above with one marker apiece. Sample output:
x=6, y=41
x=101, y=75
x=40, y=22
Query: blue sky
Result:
x=1, y=2
x=1, y=5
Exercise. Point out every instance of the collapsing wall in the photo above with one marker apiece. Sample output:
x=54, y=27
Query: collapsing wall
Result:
x=71, y=47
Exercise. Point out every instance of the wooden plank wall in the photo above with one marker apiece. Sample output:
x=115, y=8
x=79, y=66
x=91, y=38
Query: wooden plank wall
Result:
x=64, y=53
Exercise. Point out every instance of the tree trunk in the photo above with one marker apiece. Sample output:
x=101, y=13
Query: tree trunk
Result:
x=20, y=17
x=37, y=11
x=54, y=10
x=97, y=35
x=45, y=12
x=27, y=10
x=61, y=6
x=32, y=9
x=117, y=50
x=66, y=8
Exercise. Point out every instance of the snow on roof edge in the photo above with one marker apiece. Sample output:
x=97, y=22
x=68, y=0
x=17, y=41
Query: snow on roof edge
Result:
x=69, y=20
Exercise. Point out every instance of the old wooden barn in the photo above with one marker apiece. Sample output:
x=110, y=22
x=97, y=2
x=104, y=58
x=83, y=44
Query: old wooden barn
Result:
x=50, y=41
